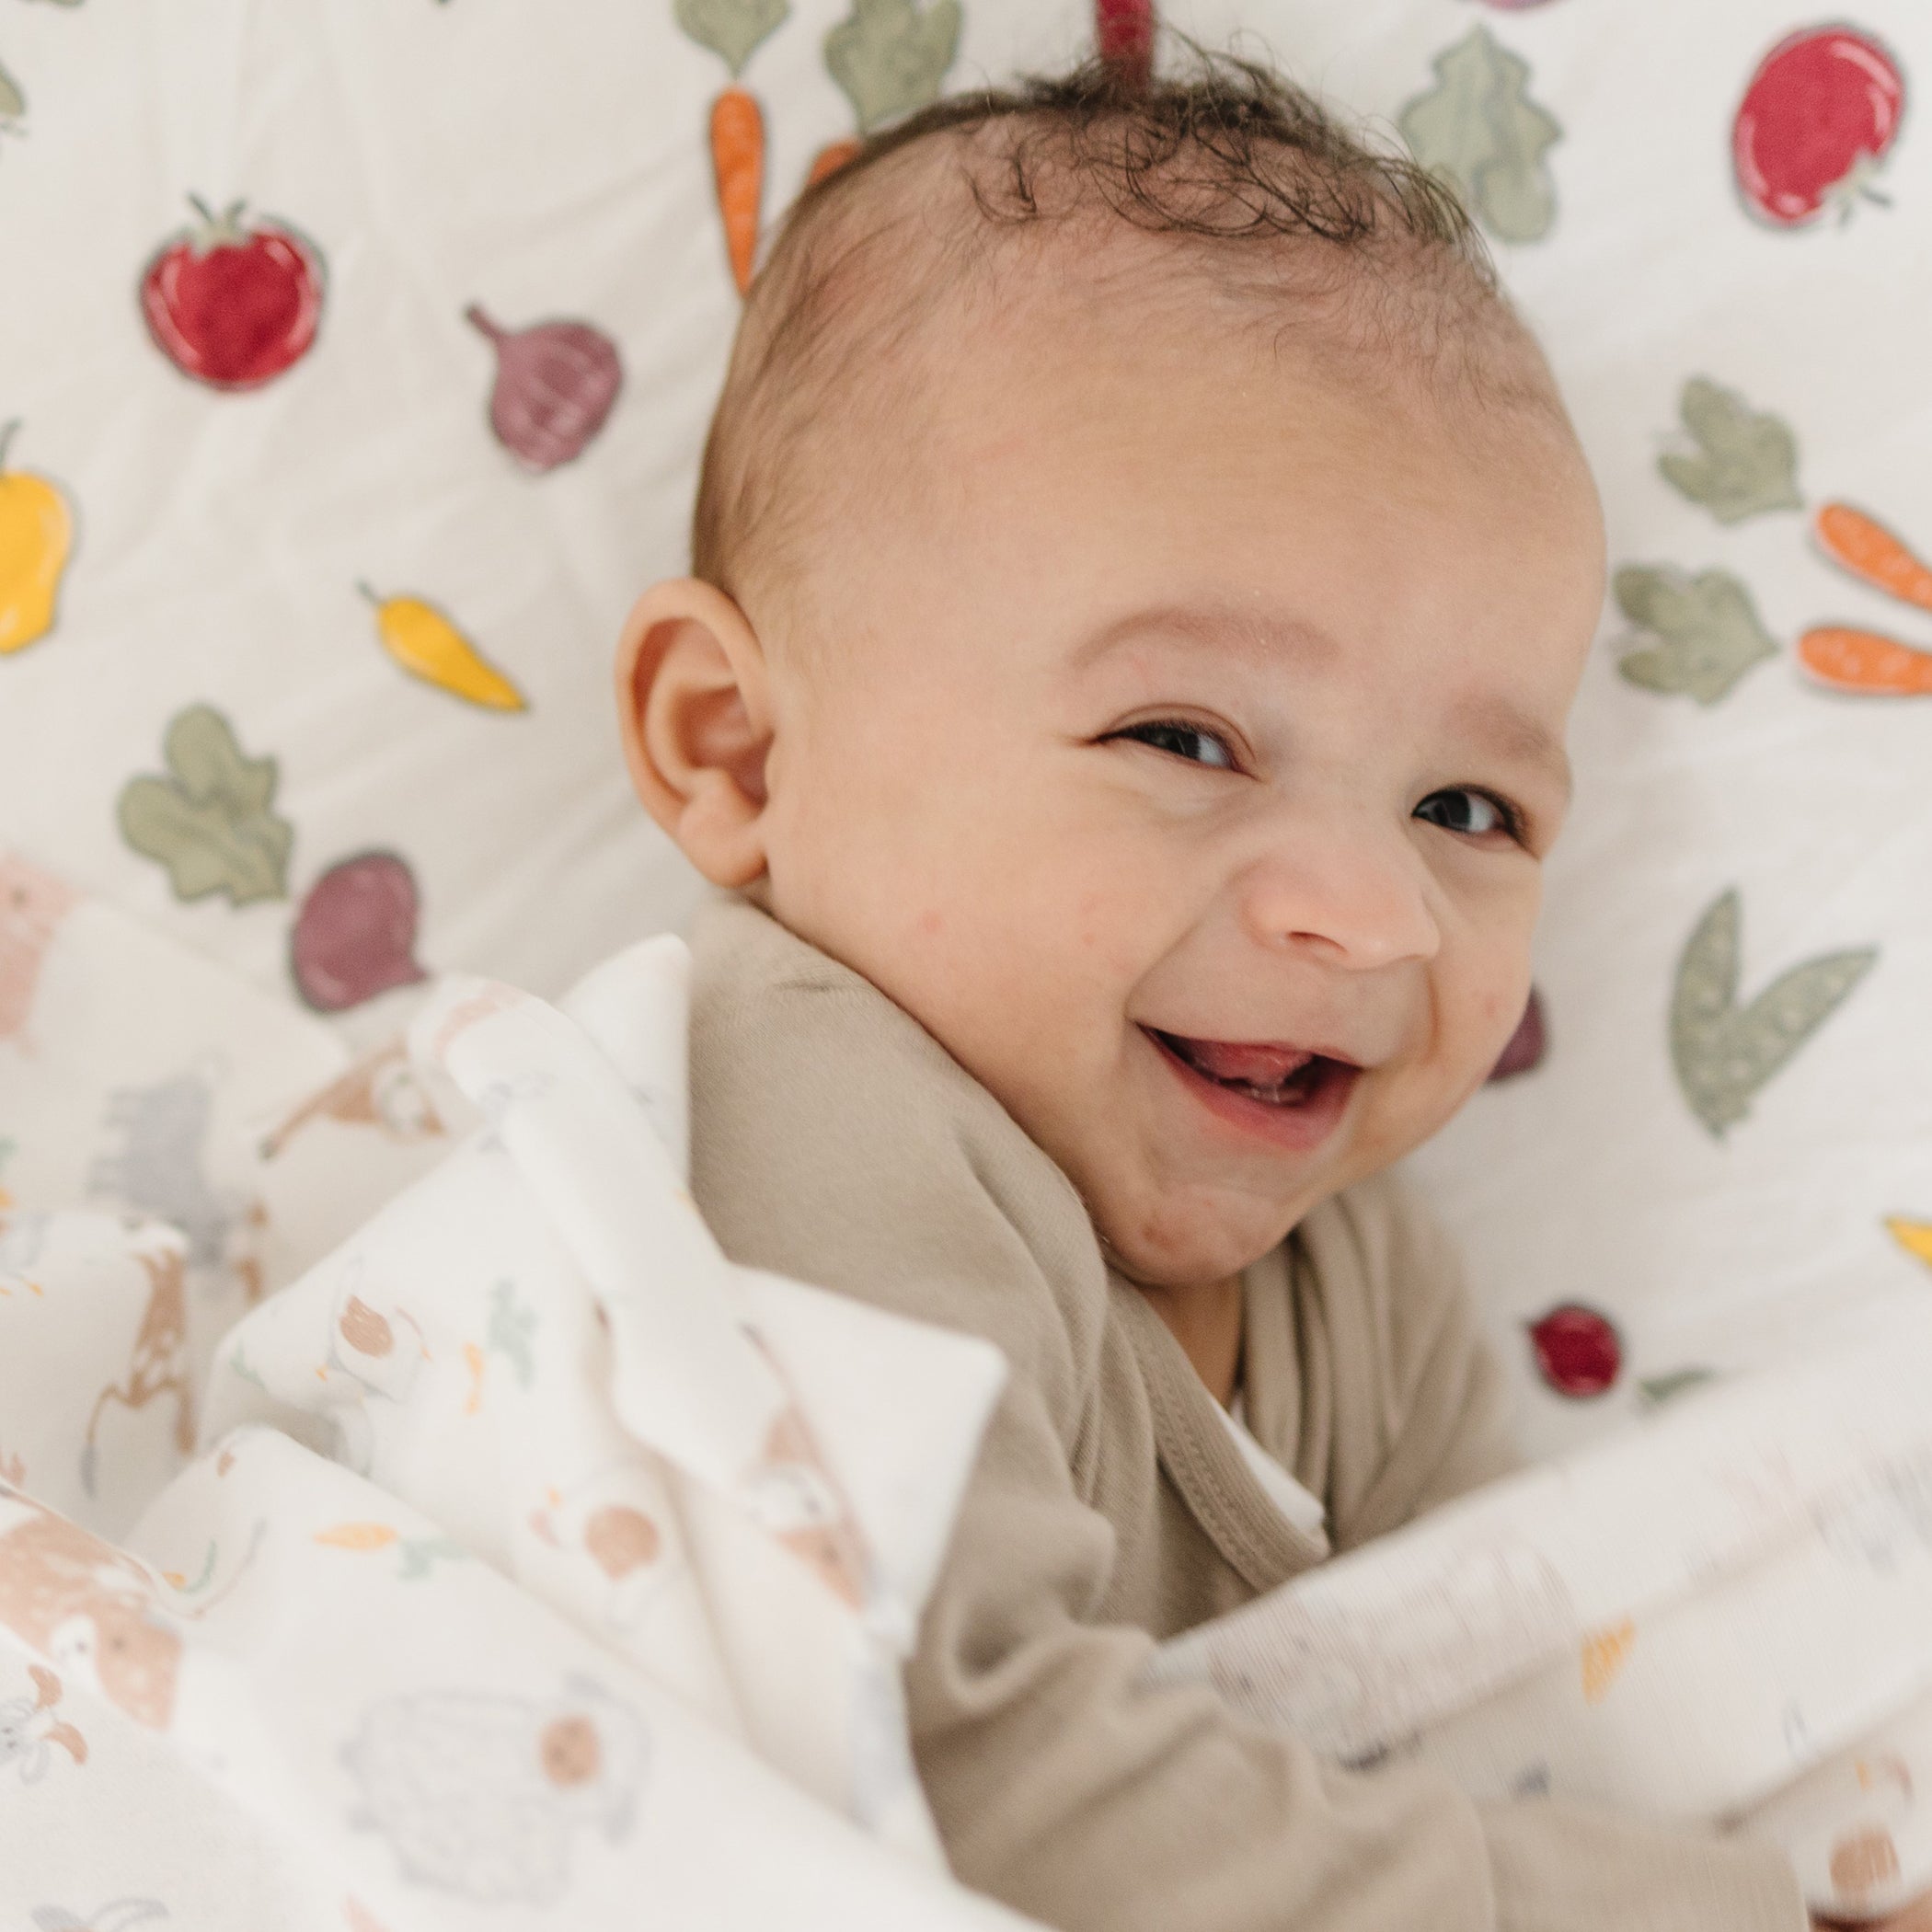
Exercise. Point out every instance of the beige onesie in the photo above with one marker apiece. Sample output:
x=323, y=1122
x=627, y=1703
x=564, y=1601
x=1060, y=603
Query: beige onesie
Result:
x=834, y=1140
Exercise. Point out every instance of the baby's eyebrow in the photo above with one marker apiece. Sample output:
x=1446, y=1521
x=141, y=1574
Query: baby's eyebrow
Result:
x=1267, y=637
x=1252, y=634
x=1514, y=735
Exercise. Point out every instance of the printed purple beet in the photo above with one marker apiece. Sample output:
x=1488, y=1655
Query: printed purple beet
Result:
x=555, y=383
x=1578, y=1351
x=1527, y=1043
x=355, y=936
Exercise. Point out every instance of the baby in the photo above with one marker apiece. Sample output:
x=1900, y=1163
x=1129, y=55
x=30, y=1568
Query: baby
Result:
x=1142, y=572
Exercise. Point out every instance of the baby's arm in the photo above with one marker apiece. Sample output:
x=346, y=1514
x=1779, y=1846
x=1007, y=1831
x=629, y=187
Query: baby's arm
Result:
x=1062, y=1787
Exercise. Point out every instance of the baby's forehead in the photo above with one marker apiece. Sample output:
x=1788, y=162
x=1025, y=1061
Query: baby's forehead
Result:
x=966, y=260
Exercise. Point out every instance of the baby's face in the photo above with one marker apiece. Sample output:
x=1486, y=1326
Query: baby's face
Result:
x=1186, y=716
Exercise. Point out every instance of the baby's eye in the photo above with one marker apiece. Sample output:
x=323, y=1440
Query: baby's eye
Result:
x=1184, y=741
x=1489, y=814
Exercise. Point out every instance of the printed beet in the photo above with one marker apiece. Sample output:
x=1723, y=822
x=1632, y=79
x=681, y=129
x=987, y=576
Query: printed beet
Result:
x=1578, y=1351
x=234, y=303
x=355, y=936
x=1527, y=1045
x=555, y=383
x=1818, y=118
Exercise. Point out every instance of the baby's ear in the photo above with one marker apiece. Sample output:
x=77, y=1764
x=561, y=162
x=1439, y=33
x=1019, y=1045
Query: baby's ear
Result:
x=693, y=703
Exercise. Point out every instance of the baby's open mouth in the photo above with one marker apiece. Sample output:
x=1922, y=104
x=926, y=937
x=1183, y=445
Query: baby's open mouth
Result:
x=1276, y=1075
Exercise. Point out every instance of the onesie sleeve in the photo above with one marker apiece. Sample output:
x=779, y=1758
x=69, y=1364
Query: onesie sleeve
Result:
x=1062, y=1784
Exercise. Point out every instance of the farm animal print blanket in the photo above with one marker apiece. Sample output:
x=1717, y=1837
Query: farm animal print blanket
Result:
x=518, y=1560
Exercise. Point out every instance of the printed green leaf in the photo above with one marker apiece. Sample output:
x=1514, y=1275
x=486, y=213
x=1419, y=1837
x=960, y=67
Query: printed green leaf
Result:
x=13, y=103
x=512, y=1325
x=1746, y=461
x=1479, y=130
x=209, y=821
x=420, y=1554
x=1657, y=1390
x=731, y=29
x=891, y=58
x=1705, y=631
x=1723, y=1051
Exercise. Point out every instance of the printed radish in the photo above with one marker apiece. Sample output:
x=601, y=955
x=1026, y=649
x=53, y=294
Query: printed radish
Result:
x=234, y=303
x=1578, y=1351
x=1818, y=118
x=355, y=936
x=556, y=383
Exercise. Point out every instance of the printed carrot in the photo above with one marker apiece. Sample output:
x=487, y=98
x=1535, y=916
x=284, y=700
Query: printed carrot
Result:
x=1868, y=549
x=833, y=156
x=1865, y=663
x=738, y=158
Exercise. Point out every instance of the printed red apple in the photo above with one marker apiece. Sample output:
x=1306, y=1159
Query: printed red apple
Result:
x=232, y=302
x=1817, y=120
x=1578, y=1349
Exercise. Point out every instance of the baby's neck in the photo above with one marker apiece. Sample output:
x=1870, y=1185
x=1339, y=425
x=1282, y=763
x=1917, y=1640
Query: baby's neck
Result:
x=1206, y=1322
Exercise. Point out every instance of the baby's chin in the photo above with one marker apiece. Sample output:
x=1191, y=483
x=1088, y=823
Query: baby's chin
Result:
x=1191, y=1243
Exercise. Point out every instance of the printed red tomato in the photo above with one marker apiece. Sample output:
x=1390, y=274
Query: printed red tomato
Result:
x=1578, y=1351
x=234, y=303
x=1819, y=116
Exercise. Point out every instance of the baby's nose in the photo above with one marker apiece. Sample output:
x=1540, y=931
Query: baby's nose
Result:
x=1350, y=893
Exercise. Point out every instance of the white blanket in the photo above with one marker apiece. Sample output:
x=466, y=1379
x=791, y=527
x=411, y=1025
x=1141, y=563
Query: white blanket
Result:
x=1721, y=1615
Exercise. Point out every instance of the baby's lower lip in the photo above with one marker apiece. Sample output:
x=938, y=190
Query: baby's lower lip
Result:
x=1300, y=1128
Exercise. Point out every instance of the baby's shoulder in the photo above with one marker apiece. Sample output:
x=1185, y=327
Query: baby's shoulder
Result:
x=833, y=1139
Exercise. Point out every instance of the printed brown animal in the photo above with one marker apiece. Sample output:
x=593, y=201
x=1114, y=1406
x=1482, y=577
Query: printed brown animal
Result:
x=808, y=1511
x=380, y=1090
x=30, y=1731
x=88, y=1608
x=159, y=1367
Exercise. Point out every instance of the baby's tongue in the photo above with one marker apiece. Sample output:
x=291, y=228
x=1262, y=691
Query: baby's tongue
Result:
x=1259, y=1065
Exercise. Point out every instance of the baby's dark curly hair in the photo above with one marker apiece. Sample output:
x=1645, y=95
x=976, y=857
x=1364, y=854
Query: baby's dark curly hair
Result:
x=1248, y=183
x=1230, y=150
